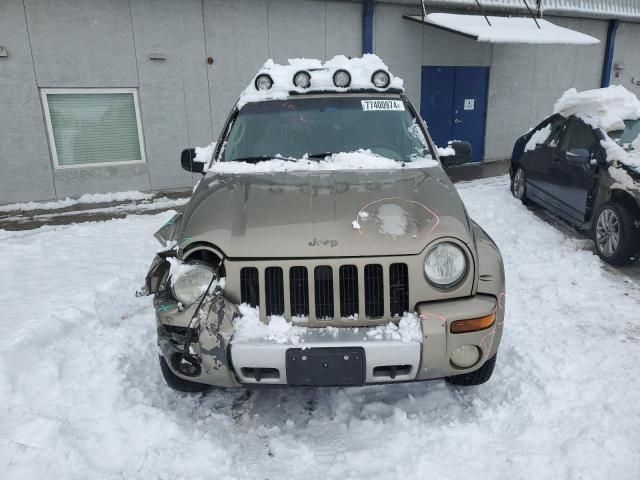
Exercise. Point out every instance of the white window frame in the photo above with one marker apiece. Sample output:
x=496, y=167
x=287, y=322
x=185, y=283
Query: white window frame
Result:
x=52, y=142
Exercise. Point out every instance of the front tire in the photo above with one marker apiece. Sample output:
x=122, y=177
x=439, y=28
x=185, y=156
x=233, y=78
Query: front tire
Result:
x=616, y=234
x=519, y=185
x=476, y=377
x=177, y=383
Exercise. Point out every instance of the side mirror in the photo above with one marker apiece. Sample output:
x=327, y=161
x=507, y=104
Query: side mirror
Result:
x=462, y=154
x=187, y=161
x=578, y=156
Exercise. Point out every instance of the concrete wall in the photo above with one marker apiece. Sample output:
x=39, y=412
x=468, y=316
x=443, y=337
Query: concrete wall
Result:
x=184, y=101
x=627, y=52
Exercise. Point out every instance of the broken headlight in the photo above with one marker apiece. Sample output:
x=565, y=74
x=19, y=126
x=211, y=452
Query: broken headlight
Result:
x=189, y=281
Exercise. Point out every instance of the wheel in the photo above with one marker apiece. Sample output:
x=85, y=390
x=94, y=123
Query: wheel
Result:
x=476, y=377
x=616, y=234
x=177, y=383
x=519, y=185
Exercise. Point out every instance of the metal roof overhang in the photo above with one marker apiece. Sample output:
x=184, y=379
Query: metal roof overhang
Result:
x=493, y=29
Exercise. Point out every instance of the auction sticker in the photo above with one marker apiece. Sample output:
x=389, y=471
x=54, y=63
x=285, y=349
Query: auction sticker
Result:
x=396, y=105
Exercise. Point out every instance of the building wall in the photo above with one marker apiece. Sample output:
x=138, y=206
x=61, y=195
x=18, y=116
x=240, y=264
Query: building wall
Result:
x=184, y=101
x=627, y=52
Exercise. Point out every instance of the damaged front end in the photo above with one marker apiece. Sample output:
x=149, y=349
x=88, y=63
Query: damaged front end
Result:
x=193, y=339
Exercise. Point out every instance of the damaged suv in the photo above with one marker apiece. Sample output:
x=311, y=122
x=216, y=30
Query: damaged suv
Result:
x=324, y=245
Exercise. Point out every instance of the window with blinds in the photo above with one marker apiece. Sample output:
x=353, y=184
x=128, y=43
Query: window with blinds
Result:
x=89, y=127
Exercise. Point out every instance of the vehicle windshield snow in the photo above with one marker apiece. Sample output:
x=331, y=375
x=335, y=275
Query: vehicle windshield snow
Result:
x=628, y=136
x=321, y=126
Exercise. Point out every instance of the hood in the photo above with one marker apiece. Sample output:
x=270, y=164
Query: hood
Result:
x=324, y=213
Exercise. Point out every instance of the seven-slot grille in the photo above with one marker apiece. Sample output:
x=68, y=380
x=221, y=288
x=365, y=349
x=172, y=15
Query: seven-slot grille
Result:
x=329, y=301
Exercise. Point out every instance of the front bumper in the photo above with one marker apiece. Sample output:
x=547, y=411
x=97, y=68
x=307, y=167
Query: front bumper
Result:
x=228, y=363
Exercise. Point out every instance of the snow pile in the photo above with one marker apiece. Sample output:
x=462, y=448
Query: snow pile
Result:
x=607, y=109
x=447, y=151
x=83, y=398
x=409, y=329
x=538, y=138
x=361, y=70
x=86, y=198
x=204, y=154
x=358, y=160
x=248, y=326
x=604, y=108
x=509, y=29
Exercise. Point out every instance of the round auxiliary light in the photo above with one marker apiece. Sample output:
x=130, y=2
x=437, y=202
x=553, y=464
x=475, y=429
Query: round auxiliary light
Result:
x=380, y=79
x=341, y=79
x=302, y=79
x=465, y=356
x=445, y=265
x=263, y=82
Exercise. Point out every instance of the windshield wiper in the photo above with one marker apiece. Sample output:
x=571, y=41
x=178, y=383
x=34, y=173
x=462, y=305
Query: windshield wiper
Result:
x=261, y=158
x=320, y=155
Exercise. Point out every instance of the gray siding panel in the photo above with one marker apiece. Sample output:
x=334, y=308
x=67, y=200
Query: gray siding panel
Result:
x=344, y=29
x=24, y=153
x=627, y=52
x=237, y=39
x=173, y=92
x=82, y=44
x=296, y=29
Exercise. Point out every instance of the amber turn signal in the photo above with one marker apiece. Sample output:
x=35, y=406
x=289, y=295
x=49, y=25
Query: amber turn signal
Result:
x=473, y=324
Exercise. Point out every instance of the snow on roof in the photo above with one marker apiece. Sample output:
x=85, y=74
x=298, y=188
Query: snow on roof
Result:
x=507, y=29
x=607, y=109
x=361, y=70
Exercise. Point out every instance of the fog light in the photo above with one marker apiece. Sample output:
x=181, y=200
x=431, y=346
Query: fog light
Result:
x=302, y=79
x=380, y=79
x=263, y=82
x=341, y=79
x=465, y=356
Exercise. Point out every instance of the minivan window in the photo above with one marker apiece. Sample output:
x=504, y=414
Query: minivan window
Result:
x=296, y=127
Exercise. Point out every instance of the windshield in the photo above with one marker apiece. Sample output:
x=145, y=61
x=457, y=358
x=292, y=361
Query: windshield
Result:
x=628, y=138
x=317, y=127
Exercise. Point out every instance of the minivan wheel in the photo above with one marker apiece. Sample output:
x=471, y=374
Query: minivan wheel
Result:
x=519, y=185
x=476, y=377
x=177, y=383
x=615, y=234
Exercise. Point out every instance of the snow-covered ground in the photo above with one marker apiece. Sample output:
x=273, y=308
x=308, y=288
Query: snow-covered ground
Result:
x=81, y=393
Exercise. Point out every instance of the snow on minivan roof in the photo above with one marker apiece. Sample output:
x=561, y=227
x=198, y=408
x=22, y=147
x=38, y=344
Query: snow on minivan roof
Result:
x=361, y=70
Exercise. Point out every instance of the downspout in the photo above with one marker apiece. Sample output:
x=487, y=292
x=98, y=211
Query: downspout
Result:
x=608, y=53
x=367, y=26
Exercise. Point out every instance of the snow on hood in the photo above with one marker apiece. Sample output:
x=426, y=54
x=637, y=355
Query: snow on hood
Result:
x=360, y=68
x=607, y=109
x=357, y=160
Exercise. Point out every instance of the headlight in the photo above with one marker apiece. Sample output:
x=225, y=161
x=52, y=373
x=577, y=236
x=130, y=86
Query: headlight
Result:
x=445, y=265
x=190, y=281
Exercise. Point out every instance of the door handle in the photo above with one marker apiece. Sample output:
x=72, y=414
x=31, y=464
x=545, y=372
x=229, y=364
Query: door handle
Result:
x=455, y=120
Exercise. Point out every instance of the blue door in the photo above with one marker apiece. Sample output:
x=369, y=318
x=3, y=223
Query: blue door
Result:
x=454, y=105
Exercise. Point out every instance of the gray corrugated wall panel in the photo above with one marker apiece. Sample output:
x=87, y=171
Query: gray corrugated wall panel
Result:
x=508, y=108
x=24, y=154
x=398, y=42
x=344, y=29
x=526, y=81
x=174, y=95
x=73, y=182
x=442, y=48
x=86, y=43
x=296, y=29
x=237, y=38
x=627, y=52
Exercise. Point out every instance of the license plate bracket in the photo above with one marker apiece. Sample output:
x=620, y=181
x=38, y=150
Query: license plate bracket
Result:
x=326, y=366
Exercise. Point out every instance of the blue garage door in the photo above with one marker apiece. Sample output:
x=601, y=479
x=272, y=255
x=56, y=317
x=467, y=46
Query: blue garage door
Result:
x=454, y=105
